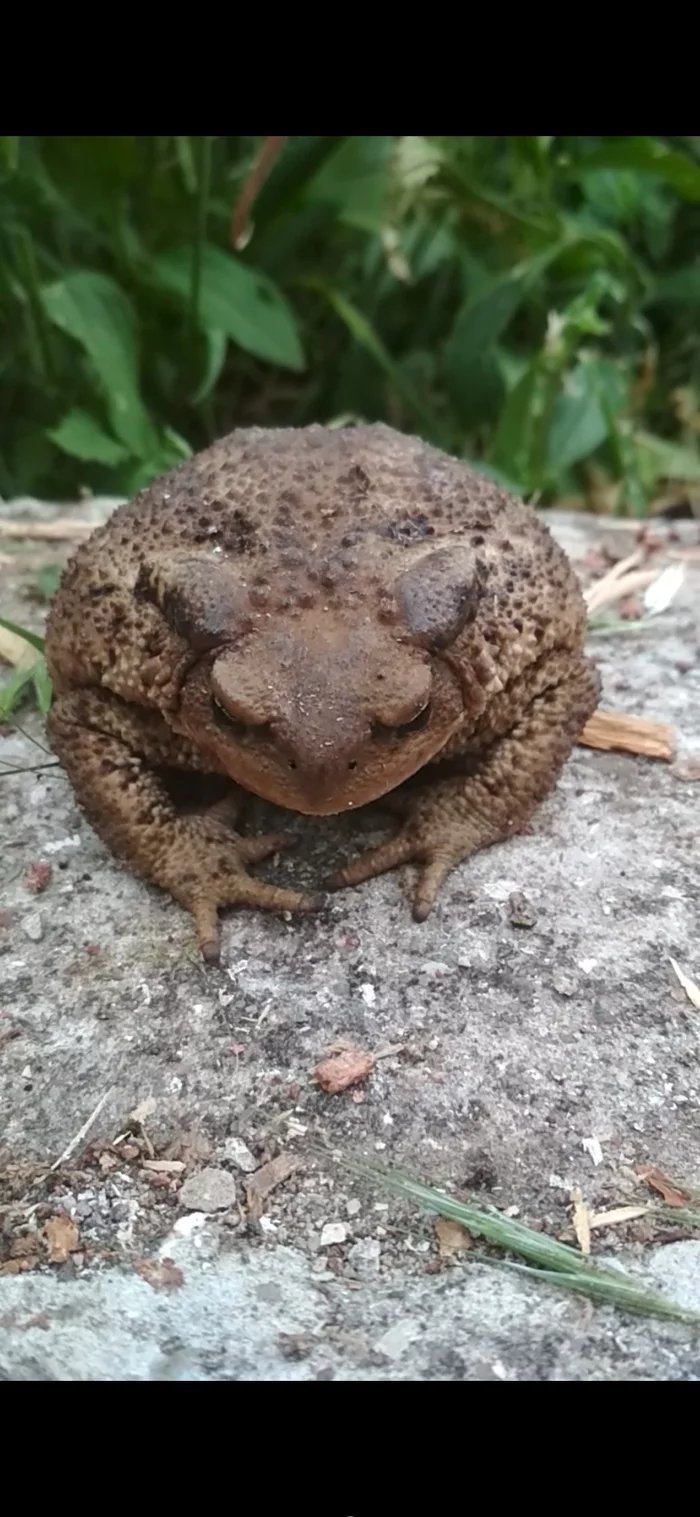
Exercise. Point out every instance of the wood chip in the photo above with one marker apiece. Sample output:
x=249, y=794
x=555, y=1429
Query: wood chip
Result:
x=342, y=1070
x=669, y=1192
x=164, y=1166
x=451, y=1238
x=581, y=1219
x=607, y=730
x=62, y=1237
x=62, y=529
x=259, y=1185
x=691, y=989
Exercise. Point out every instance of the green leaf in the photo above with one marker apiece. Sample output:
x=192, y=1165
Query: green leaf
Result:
x=355, y=179
x=32, y=638
x=235, y=300
x=13, y=689
x=680, y=288
x=295, y=167
x=42, y=685
x=9, y=153
x=93, y=310
x=364, y=333
x=646, y=155
x=510, y=448
x=82, y=437
x=593, y=391
x=667, y=460
x=216, y=344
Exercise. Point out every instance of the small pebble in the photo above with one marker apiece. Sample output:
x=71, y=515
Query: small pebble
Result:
x=521, y=913
x=364, y=1257
x=333, y=1232
x=32, y=927
x=238, y=1153
x=210, y=1190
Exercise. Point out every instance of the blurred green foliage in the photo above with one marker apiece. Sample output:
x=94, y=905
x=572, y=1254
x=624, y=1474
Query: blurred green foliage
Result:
x=529, y=303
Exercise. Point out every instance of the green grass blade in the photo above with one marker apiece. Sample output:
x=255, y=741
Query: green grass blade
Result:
x=553, y=1261
x=29, y=637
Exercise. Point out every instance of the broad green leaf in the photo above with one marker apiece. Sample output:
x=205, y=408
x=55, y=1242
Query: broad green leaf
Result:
x=364, y=333
x=298, y=162
x=355, y=179
x=646, y=155
x=578, y=426
x=93, y=309
x=681, y=288
x=471, y=368
x=82, y=437
x=668, y=460
x=216, y=344
x=236, y=300
x=593, y=392
x=510, y=449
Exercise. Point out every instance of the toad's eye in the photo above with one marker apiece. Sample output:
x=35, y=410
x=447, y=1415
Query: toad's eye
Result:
x=244, y=731
x=416, y=724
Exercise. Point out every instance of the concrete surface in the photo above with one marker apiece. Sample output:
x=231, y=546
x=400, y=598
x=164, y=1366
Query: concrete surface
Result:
x=504, y=1050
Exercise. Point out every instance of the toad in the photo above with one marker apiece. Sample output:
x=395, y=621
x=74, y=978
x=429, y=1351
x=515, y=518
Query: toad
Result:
x=324, y=617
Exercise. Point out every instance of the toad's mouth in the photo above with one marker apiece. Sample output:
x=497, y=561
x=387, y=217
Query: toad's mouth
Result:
x=307, y=761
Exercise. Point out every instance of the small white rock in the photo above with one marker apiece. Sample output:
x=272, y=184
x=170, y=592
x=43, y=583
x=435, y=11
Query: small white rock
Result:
x=333, y=1232
x=238, y=1153
x=32, y=927
x=353, y=1207
x=55, y=847
x=186, y=1226
x=593, y=1148
x=368, y=993
x=395, y=1342
x=364, y=1256
x=210, y=1190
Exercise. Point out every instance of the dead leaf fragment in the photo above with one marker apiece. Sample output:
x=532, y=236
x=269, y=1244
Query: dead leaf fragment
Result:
x=669, y=1192
x=581, y=1219
x=62, y=1237
x=25, y=1246
x=342, y=1070
x=691, y=989
x=451, y=1238
x=161, y=1274
x=617, y=1215
x=259, y=1185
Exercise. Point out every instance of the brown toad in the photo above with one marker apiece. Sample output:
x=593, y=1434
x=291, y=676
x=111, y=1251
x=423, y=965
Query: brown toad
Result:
x=316, y=614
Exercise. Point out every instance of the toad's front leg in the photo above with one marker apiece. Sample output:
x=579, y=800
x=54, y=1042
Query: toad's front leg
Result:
x=453, y=818
x=112, y=753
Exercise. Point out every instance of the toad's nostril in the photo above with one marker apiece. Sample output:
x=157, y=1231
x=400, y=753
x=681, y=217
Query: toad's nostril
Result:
x=352, y=764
